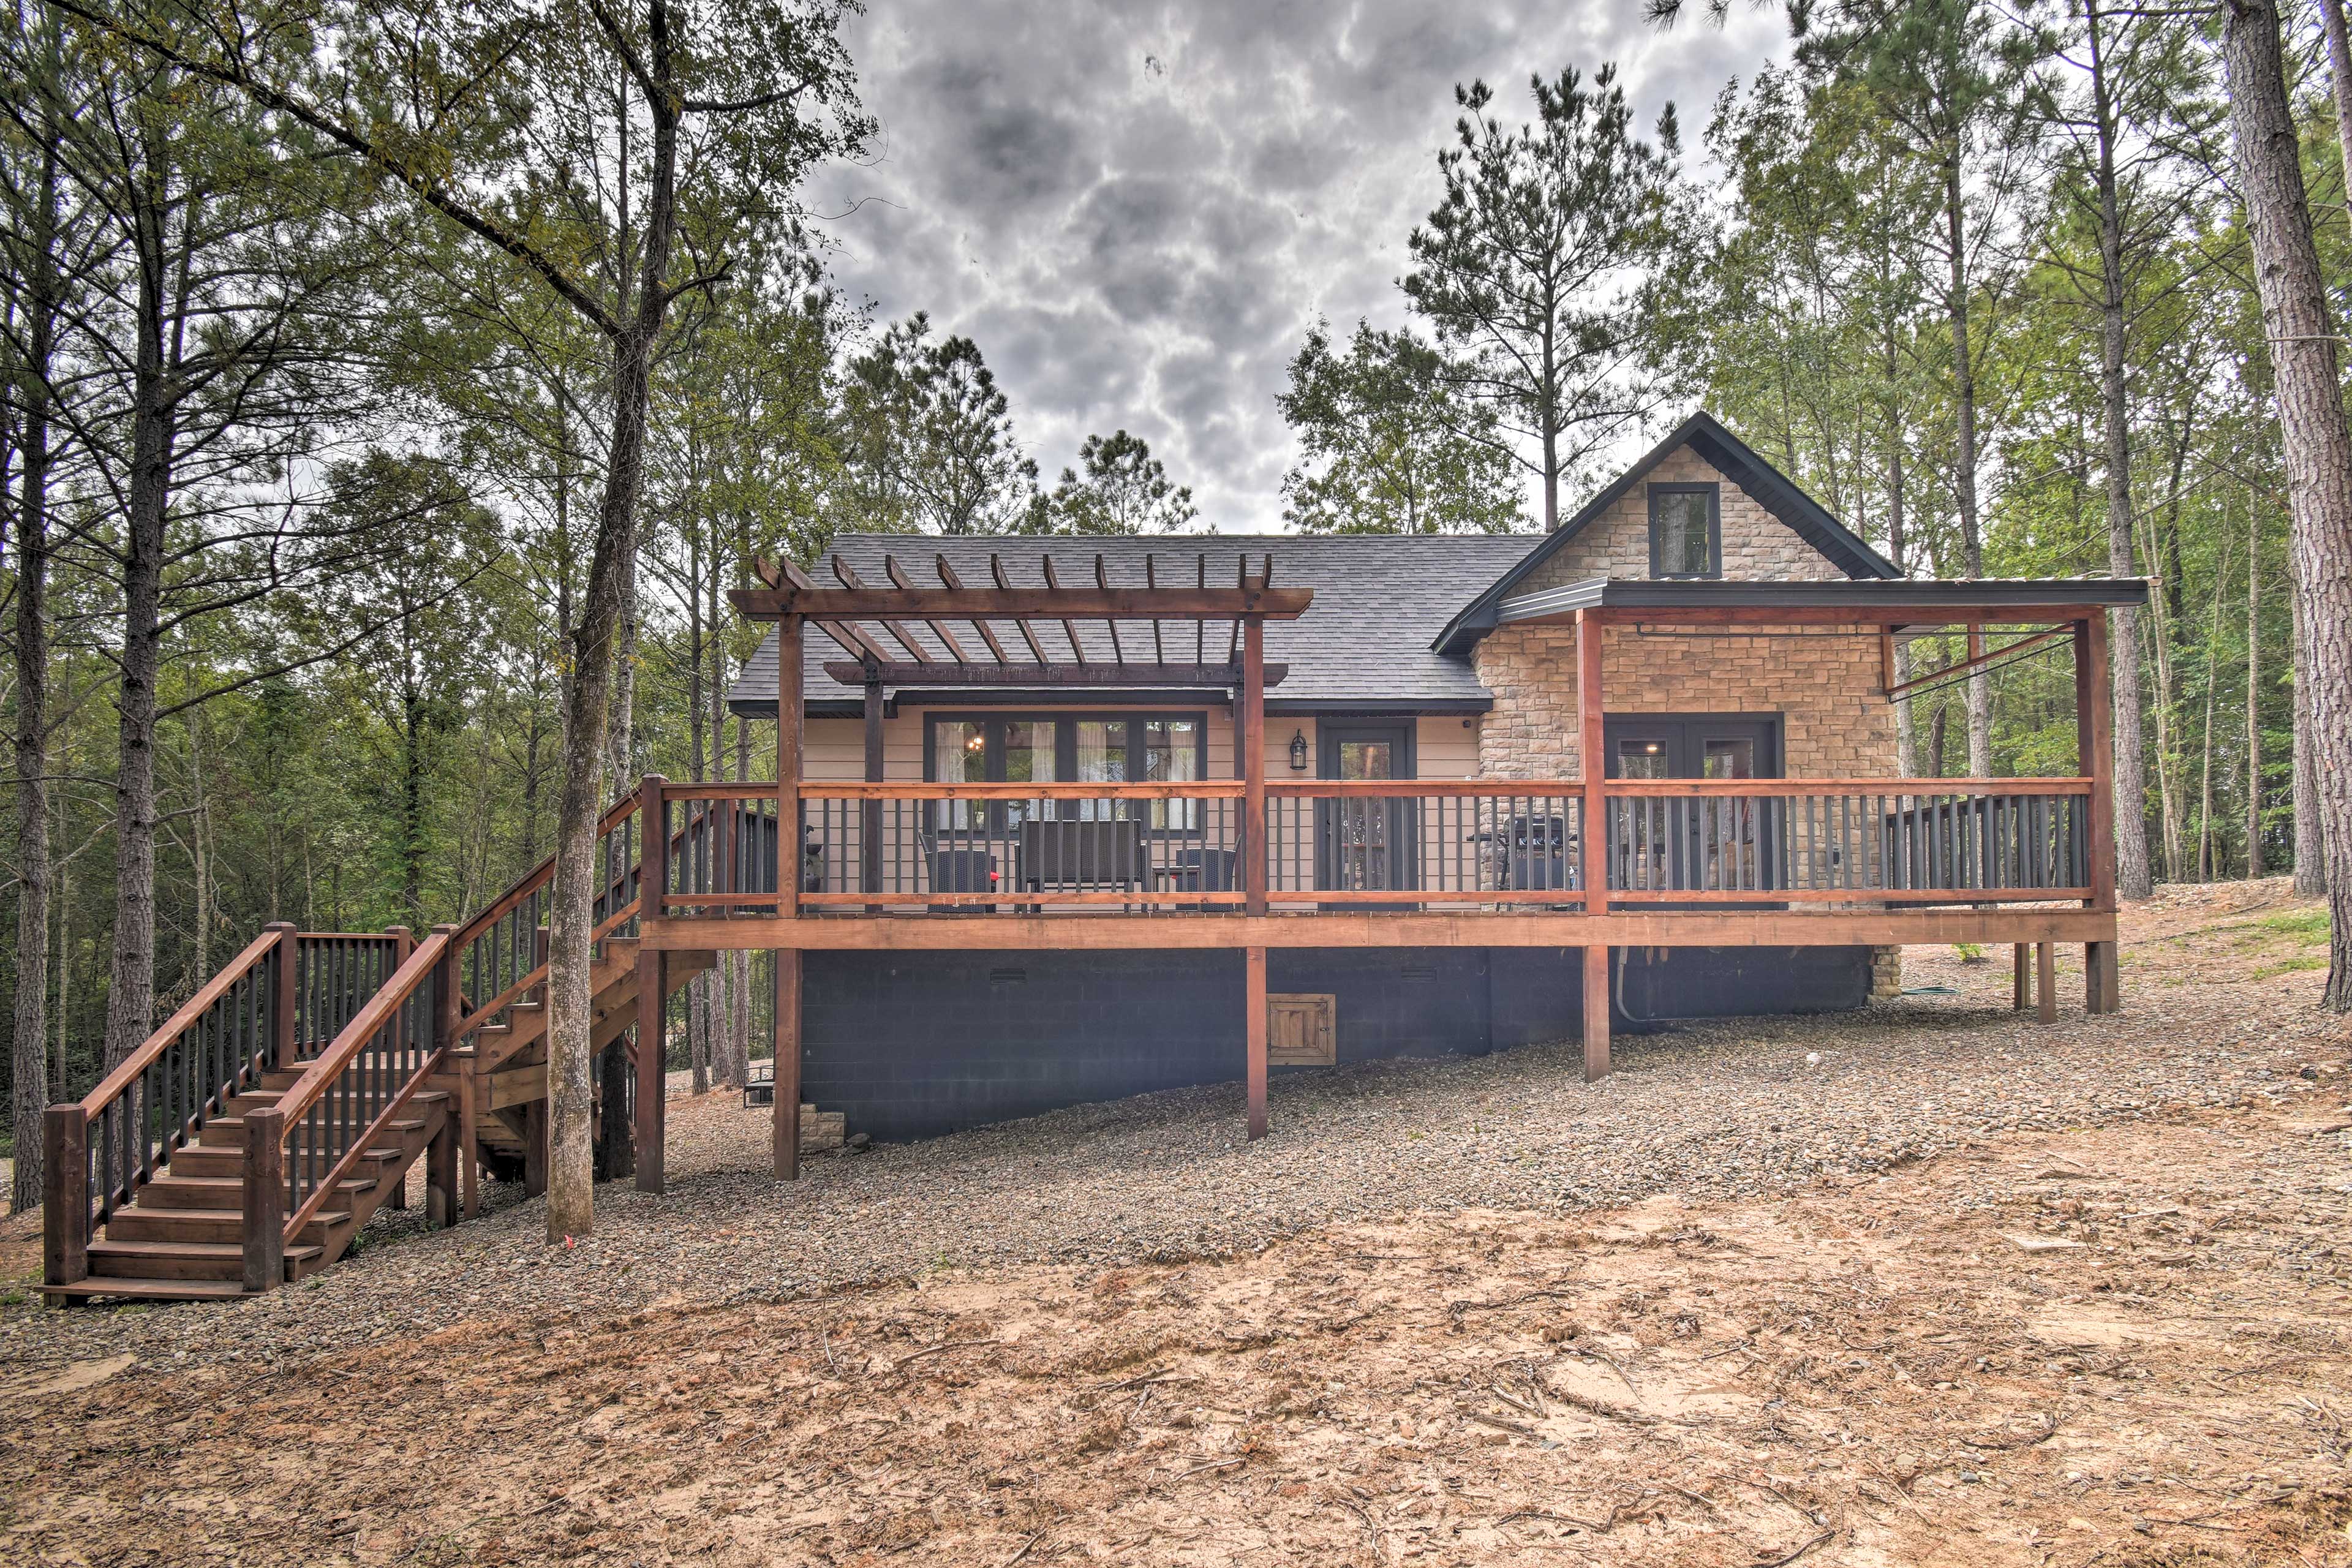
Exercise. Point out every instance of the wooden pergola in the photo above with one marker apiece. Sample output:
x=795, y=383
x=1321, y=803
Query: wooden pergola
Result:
x=1050, y=618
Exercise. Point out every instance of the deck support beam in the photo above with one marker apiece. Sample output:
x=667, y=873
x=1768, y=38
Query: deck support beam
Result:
x=441, y=1175
x=2045, y=980
x=2020, y=979
x=653, y=985
x=2102, y=978
x=787, y=1123
x=1596, y=1013
x=785, y=1128
x=1592, y=834
x=1253, y=1030
x=653, y=1066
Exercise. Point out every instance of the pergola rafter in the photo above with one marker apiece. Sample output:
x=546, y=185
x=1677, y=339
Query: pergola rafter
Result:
x=906, y=611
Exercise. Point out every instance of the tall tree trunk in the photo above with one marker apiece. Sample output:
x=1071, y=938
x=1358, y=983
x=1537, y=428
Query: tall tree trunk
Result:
x=29, y=1025
x=2312, y=428
x=131, y=983
x=1963, y=465
x=570, y=1190
x=2133, y=878
x=2208, y=858
x=2253, y=693
x=2339, y=81
x=2310, y=854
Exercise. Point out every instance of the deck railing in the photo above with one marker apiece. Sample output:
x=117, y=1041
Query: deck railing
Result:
x=1895, y=841
x=1063, y=848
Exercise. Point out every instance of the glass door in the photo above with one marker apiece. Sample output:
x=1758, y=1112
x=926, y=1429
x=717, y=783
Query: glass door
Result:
x=1364, y=843
x=1700, y=842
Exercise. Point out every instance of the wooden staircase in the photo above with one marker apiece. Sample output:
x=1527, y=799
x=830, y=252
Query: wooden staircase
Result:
x=246, y=1141
x=181, y=1238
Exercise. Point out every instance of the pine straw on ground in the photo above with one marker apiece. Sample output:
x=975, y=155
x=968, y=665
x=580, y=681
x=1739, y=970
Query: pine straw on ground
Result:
x=1733, y=1306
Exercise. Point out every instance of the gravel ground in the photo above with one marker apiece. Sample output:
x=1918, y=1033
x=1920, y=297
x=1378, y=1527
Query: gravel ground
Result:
x=2219, y=991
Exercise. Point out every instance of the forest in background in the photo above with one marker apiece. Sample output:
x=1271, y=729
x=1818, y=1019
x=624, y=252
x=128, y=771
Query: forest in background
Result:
x=305, y=475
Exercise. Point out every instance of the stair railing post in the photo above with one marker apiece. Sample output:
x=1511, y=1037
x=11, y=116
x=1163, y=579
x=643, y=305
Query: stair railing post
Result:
x=65, y=1195
x=283, y=1046
x=264, y=1198
x=449, y=1151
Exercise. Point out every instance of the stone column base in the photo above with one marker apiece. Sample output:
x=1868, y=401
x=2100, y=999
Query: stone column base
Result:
x=1885, y=974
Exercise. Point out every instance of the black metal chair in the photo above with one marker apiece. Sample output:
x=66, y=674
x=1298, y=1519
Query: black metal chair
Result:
x=957, y=870
x=1082, y=856
x=1202, y=871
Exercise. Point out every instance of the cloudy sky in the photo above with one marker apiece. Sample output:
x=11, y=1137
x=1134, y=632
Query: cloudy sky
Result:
x=1137, y=210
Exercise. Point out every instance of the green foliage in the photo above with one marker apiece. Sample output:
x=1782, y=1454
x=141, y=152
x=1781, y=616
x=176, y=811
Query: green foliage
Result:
x=1118, y=487
x=1531, y=266
x=1400, y=450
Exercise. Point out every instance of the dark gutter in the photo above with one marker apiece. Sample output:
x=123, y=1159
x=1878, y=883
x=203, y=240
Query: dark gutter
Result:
x=1864, y=593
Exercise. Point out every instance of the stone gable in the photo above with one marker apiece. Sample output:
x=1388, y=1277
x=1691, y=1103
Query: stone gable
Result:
x=1756, y=544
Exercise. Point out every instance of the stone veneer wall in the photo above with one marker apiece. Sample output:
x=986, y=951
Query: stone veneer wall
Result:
x=1835, y=719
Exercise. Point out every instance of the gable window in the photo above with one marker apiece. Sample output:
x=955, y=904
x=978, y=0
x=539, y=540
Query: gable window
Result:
x=1685, y=531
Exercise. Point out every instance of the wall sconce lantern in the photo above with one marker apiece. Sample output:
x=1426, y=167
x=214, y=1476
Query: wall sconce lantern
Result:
x=1298, y=750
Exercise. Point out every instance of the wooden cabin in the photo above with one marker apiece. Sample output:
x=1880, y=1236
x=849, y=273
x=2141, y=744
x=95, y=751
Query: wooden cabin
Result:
x=1080, y=819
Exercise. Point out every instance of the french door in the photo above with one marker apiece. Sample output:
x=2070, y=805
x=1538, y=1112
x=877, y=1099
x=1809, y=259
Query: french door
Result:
x=1364, y=843
x=1721, y=843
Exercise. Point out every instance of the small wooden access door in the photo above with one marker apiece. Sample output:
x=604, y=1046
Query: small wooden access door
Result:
x=1711, y=843
x=1302, y=1030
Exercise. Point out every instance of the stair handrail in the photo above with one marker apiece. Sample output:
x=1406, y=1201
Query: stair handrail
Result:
x=255, y=1027
x=272, y=1182
x=613, y=888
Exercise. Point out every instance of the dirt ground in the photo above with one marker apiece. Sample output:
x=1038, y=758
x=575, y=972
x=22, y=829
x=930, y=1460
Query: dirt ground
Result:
x=2126, y=1344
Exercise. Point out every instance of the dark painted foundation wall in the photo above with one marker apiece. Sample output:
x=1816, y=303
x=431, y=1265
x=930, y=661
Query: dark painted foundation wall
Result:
x=914, y=1045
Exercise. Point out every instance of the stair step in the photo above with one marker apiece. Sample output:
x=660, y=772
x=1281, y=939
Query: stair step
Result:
x=95, y=1290
x=214, y=1227
x=183, y=1260
x=169, y=1192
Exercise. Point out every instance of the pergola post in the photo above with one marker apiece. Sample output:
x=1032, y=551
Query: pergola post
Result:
x=1592, y=836
x=653, y=988
x=869, y=828
x=1253, y=1030
x=2094, y=745
x=1251, y=741
x=786, y=1125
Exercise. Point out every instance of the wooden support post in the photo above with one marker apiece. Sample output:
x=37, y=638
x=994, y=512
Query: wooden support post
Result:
x=787, y=1131
x=441, y=1176
x=788, y=768
x=1591, y=754
x=264, y=1198
x=2020, y=980
x=1252, y=741
x=1253, y=1026
x=1886, y=662
x=454, y=1169
x=869, y=831
x=1596, y=1013
x=2045, y=980
x=653, y=997
x=2094, y=746
x=2102, y=978
x=284, y=998
x=65, y=1195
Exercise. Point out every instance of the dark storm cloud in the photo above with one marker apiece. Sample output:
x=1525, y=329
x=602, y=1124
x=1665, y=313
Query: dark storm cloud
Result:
x=1137, y=211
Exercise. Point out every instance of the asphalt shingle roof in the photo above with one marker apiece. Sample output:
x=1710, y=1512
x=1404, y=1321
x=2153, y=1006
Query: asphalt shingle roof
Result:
x=1380, y=602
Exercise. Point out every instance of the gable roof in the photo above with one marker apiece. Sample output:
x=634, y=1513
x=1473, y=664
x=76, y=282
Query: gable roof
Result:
x=1737, y=462
x=1365, y=645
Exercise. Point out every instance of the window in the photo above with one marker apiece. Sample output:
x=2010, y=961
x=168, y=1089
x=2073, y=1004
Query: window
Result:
x=1108, y=749
x=1685, y=536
